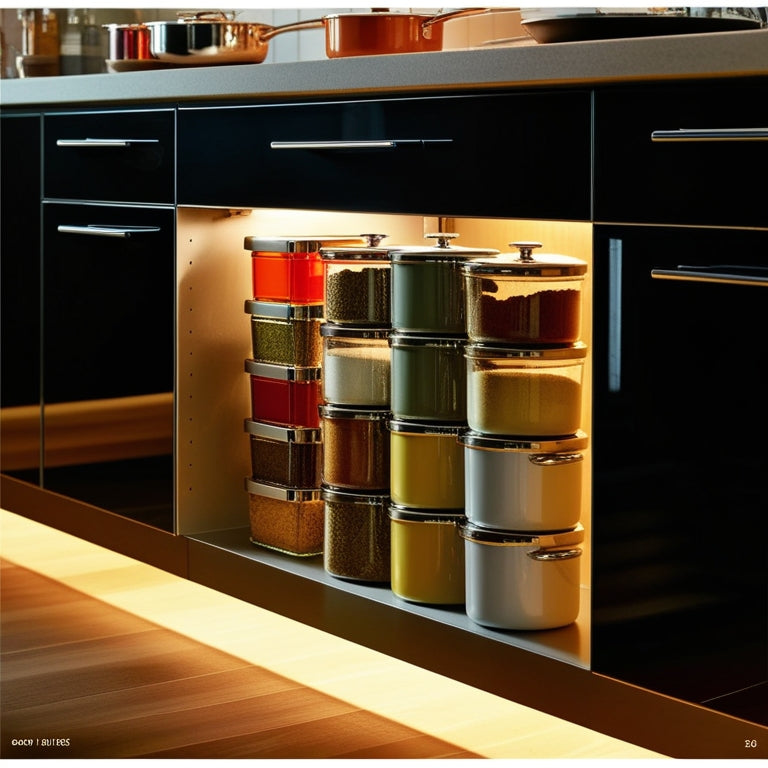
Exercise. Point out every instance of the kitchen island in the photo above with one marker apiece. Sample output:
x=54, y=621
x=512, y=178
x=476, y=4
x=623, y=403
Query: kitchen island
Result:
x=485, y=90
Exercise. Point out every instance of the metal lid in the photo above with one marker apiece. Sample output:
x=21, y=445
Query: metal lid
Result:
x=543, y=540
x=282, y=372
x=567, y=444
x=329, y=411
x=303, y=244
x=524, y=265
x=410, y=515
x=274, y=310
x=420, y=428
x=352, y=497
x=577, y=350
x=368, y=252
x=442, y=251
x=281, y=493
x=283, y=434
x=427, y=340
x=354, y=332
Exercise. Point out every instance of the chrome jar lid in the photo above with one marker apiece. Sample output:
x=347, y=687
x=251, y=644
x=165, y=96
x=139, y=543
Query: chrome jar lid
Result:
x=281, y=493
x=282, y=372
x=420, y=428
x=368, y=252
x=502, y=538
x=351, y=412
x=566, y=444
x=442, y=251
x=403, y=514
x=304, y=244
x=283, y=434
x=275, y=310
x=525, y=265
x=330, y=330
x=353, y=497
x=577, y=350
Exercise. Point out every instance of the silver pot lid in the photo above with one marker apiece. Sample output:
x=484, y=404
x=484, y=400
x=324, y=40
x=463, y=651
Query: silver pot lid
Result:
x=566, y=444
x=441, y=251
x=370, y=251
x=303, y=244
x=525, y=265
x=502, y=538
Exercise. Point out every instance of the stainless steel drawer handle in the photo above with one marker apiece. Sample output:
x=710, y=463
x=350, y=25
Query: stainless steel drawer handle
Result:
x=96, y=143
x=104, y=231
x=711, y=134
x=370, y=144
x=726, y=275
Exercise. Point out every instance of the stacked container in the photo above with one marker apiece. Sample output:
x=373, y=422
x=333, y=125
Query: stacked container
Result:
x=286, y=311
x=428, y=381
x=522, y=449
x=355, y=411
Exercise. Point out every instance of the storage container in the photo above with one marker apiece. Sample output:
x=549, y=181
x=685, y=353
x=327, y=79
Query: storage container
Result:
x=288, y=456
x=519, y=299
x=523, y=485
x=356, y=365
x=289, y=520
x=357, y=284
x=357, y=536
x=286, y=334
x=426, y=465
x=522, y=581
x=429, y=378
x=283, y=394
x=355, y=448
x=535, y=392
x=289, y=269
x=427, y=555
x=428, y=288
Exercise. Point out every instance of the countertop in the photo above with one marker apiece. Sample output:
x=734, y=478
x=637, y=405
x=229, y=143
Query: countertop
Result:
x=699, y=56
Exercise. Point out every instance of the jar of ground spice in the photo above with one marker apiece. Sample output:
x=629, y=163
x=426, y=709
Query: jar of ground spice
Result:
x=355, y=448
x=289, y=456
x=289, y=520
x=357, y=535
x=285, y=334
x=284, y=394
x=355, y=365
x=522, y=299
x=357, y=284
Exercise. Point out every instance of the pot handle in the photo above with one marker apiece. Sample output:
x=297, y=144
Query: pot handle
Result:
x=554, y=459
x=296, y=25
x=441, y=17
x=546, y=555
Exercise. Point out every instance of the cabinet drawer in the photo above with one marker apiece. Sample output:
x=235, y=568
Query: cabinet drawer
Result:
x=517, y=155
x=123, y=156
x=649, y=170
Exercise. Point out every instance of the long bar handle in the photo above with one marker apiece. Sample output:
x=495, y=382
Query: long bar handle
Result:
x=363, y=144
x=104, y=231
x=96, y=143
x=711, y=134
x=706, y=276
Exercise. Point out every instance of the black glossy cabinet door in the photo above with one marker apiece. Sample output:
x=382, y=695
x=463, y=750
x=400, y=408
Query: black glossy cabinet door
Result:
x=680, y=461
x=20, y=300
x=514, y=155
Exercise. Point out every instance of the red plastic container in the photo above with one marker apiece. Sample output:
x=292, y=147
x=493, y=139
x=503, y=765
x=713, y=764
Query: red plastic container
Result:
x=284, y=395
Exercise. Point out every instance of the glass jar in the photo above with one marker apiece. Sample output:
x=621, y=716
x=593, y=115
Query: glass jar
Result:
x=288, y=520
x=288, y=456
x=355, y=448
x=429, y=378
x=426, y=465
x=535, y=392
x=284, y=394
x=356, y=365
x=357, y=536
x=286, y=334
x=427, y=556
x=427, y=286
x=516, y=299
x=357, y=284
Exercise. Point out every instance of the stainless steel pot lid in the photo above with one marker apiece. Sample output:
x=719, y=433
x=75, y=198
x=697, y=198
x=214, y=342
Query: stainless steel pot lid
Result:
x=421, y=428
x=283, y=434
x=352, y=497
x=574, y=351
x=482, y=441
x=403, y=514
x=280, y=493
x=282, y=372
x=525, y=264
x=307, y=244
x=370, y=251
x=543, y=540
x=274, y=310
x=442, y=251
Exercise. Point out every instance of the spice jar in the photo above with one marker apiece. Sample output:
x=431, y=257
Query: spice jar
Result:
x=289, y=269
x=284, y=394
x=355, y=448
x=429, y=378
x=286, y=519
x=357, y=536
x=427, y=555
x=519, y=299
x=356, y=367
x=528, y=392
x=427, y=286
x=288, y=456
x=426, y=465
x=286, y=334
x=523, y=485
x=357, y=284
x=522, y=581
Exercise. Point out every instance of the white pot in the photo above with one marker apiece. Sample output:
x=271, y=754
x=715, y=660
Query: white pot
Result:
x=523, y=485
x=521, y=581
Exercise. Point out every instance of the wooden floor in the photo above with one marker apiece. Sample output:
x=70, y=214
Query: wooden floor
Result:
x=105, y=655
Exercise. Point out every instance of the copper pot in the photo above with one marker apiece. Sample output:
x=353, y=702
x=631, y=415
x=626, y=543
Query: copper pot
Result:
x=128, y=42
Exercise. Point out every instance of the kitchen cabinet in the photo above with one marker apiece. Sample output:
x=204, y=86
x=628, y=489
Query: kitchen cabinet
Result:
x=536, y=152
